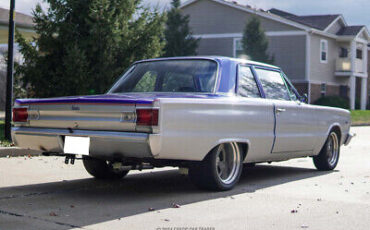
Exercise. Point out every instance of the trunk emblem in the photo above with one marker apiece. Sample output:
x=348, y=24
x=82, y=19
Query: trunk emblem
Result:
x=127, y=117
x=75, y=107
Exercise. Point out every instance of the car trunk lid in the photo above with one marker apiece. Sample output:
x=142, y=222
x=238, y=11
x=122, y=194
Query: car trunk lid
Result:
x=102, y=112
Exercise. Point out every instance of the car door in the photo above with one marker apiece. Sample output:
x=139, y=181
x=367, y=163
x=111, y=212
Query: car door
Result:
x=258, y=117
x=292, y=122
x=308, y=118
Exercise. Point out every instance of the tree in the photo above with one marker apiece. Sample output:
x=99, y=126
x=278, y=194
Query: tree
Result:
x=178, y=36
x=255, y=43
x=82, y=46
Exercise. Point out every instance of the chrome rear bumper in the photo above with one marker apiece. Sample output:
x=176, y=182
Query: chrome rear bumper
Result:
x=102, y=143
x=349, y=138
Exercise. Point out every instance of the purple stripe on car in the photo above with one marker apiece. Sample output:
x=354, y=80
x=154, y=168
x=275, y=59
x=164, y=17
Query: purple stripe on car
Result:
x=97, y=101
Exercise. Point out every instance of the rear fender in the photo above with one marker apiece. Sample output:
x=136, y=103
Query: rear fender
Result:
x=229, y=140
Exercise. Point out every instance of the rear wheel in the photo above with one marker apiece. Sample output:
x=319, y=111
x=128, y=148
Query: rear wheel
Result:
x=101, y=169
x=220, y=170
x=329, y=154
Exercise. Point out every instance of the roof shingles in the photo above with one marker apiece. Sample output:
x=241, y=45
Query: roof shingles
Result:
x=316, y=21
x=350, y=30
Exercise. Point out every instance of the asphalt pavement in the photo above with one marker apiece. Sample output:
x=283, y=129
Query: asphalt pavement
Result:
x=43, y=193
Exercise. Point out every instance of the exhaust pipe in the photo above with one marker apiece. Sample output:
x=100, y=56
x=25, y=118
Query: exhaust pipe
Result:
x=119, y=166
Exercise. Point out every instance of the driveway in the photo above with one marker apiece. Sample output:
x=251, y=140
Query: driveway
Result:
x=2, y=115
x=43, y=193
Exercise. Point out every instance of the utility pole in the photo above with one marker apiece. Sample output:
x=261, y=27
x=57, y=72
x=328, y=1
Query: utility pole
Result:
x=9, y=78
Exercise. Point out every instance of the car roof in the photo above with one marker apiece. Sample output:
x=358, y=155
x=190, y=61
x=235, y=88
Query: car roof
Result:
x=215, y=58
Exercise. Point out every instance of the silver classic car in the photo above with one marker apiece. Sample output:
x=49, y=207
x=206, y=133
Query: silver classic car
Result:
x=205, y=114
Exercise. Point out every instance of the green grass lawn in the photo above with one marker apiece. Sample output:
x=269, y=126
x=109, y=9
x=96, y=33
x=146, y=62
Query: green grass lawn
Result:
x=3, y=142
x=360, y=117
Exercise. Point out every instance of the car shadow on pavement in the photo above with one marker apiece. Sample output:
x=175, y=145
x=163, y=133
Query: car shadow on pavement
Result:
x=83, y=202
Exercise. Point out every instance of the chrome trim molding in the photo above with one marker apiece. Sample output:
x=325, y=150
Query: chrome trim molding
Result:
x=66, y=132
x=105, y=144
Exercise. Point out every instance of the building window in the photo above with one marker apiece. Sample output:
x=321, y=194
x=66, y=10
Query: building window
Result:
x=238, y=48
x=343, y=52
x=359, y=54
x=343, y=91
x=324, y=51
x=323, y=89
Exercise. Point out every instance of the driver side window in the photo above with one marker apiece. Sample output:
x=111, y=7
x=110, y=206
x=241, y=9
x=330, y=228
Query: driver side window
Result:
x=292, y=94
x=292, y=91
x=273, y=84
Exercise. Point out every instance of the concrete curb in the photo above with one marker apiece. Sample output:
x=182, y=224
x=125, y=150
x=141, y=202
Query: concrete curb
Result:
x=359, y=125
x=17, y=152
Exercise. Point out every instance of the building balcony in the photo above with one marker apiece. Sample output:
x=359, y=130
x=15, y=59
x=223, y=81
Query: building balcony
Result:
x=343, y=66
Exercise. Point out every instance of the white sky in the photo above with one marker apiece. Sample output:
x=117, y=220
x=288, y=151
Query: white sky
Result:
x=356, y=12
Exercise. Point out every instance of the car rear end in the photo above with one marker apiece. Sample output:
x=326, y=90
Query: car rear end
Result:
x=107, y=127
x=149, y=118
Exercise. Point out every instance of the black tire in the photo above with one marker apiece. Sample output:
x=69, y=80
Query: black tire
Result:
x=101, y=169
x=208, y=173
x=329, y=155
x=249, y=165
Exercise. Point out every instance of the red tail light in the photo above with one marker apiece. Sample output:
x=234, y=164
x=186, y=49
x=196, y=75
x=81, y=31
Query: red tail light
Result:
x=20, y=115
x=147, y=117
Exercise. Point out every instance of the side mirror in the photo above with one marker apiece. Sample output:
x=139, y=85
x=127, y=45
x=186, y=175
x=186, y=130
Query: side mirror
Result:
x=304, y=98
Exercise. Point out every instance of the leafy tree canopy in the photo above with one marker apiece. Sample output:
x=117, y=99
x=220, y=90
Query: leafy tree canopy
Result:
x=178, y=34
x=255, y=43
x=82, y=46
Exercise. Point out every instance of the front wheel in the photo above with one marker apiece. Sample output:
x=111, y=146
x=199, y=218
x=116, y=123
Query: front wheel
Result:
x=220, y=170
x=329, y=155
x=101, y=169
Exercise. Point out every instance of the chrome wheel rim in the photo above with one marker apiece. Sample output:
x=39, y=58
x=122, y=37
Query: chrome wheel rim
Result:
x=332, y=149
x=227, y=162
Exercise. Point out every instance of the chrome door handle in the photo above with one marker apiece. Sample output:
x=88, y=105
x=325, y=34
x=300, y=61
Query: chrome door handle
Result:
x=280, y=110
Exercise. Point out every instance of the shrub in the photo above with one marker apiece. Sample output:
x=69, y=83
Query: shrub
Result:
x=333, y=101
x=81, y=47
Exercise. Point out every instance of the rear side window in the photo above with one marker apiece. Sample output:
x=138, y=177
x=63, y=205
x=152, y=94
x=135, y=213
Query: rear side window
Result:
x=273, y=84
x=246, y=82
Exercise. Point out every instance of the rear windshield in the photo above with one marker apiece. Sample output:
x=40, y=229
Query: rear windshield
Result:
x=169, y=76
